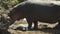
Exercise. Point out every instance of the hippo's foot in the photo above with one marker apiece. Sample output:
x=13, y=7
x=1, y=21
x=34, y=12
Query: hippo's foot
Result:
x=35, y=28
x=29, y=29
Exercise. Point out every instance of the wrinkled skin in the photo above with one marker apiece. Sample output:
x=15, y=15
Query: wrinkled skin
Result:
x=49, y=13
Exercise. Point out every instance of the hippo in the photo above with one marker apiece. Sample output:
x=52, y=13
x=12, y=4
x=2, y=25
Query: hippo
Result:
x=34, y=12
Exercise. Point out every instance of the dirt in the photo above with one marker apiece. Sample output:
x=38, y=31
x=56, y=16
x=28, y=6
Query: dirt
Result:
x=44, y=31
x=40, y=31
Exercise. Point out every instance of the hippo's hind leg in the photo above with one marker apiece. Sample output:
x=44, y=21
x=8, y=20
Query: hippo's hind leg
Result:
x=35, y=25
x=29, y=23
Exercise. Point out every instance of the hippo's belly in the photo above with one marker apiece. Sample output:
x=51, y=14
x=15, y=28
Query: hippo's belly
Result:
x=47, y=19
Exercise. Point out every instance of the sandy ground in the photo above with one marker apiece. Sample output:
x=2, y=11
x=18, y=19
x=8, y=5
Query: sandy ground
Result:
x=41, y=31
x=44, y=31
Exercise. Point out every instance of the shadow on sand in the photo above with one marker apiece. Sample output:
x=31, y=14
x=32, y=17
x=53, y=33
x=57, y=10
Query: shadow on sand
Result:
x=46, y=30
x=4, y=32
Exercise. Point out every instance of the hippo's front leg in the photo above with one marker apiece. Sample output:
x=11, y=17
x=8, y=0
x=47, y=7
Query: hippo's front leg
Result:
x=29, y=23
